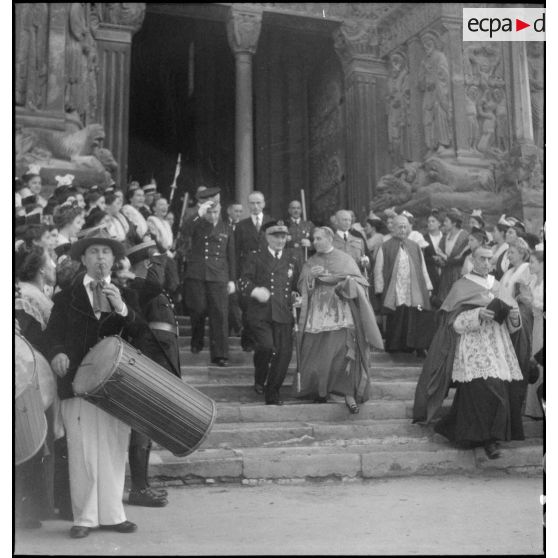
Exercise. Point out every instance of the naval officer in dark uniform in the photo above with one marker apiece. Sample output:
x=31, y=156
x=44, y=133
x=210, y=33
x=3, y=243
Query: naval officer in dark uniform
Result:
x=267, y=281
x=155, y=335
x=209, y=279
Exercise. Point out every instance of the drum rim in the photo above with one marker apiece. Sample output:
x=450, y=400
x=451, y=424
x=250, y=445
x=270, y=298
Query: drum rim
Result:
x=120, y=343
x=43, y=440
x=206, y=434
x=34, y=375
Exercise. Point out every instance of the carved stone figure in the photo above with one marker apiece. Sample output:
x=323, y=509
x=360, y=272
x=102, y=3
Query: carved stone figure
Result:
x=482, y=65
x=471, y=113
x=487, y=116
x=502, y=134
x=81, y=62
x=536, y=85
x=434, y=81
x=398, y=99
x=31, y=67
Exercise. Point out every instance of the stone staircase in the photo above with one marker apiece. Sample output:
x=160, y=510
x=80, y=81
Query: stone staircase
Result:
x=251, y=442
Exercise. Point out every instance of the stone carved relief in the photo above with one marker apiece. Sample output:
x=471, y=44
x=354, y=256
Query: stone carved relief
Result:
x=486, y=107
x=407, y=20
x=31, y=64
x=397, y=105
x=75, y=148
x=243, y=30
x=535, y=61
x=355, y=38
x=128, y=14
x=434, y=82
x=80, y=98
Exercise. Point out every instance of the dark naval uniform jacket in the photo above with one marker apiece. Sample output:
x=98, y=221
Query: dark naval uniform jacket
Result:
x=280, y=277
x=212, y=252
x=248, y=240
x=157, y=334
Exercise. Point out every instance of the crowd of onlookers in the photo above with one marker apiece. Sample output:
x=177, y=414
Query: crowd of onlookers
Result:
x=431, y=262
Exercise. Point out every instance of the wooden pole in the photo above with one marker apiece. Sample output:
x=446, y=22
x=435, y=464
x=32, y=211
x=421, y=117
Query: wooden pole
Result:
x=303, y=203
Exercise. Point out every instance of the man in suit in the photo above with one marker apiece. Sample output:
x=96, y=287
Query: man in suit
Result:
x=234, y=214
x=249, y=238
x=209, y=279
x=89, y=309
x=300, y=231
x=267, y=281
x=350, y=241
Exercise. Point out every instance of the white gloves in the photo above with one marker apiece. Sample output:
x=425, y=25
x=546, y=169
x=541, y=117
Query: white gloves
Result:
x=231, y=289
x=261, y=294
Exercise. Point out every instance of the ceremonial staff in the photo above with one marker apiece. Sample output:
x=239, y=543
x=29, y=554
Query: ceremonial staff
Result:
x=173, y=185
x=303, y=203
x=297, y=343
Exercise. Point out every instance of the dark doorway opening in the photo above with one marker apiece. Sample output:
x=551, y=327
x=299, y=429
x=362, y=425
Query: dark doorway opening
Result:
x=182, y=101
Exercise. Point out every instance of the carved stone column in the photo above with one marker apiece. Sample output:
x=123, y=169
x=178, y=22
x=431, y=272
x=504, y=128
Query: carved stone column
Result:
x=455, y=56
x=521, y=106
x=243, y=31
x=365, y=90
x=114, y=44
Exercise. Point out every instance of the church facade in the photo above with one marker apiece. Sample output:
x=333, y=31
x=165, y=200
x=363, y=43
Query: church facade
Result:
x=359, y=105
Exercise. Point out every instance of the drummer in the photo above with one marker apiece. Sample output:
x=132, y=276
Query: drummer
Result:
x=159, y=342
x=88, y=310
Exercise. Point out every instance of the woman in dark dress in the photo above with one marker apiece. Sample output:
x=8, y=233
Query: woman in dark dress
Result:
x=453, y=250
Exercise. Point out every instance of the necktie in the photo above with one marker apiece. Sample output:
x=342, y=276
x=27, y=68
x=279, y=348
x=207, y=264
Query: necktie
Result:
x=345, y=236
x=100, y=300
x=277, y=254
x=258, y=224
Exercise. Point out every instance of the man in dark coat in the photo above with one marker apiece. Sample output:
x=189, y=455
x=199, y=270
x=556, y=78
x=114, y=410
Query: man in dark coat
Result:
x=300, y=231
x=249, y=238
x=209, y=279
x=90, y=309
x=156, y=337
x=267, y=281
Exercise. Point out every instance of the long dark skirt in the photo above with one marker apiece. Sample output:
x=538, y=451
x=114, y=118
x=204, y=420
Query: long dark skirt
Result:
x=480, y=412
x=408, y=329
x=325, y=367
x=450, y=274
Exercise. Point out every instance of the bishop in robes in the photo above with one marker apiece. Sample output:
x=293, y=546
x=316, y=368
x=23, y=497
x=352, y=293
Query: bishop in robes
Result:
x=337, y=324
x=402, y=281
x=473, y=349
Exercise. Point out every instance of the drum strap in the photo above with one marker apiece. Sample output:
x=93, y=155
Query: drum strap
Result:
x=172, y=367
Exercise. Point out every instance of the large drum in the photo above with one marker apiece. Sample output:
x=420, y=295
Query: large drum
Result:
x=128, y=385
x=30, y=421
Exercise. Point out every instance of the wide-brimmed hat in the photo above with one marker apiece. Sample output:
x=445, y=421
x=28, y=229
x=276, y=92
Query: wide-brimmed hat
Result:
x=97, y=236
x=140, y=251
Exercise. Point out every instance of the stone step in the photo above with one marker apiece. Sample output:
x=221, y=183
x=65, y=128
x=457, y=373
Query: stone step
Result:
x=365, y=459
x=296, y=411
x=244, y=373
x=244, y=392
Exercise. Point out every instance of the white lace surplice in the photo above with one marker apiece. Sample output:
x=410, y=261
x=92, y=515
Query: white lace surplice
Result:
x=484, y=350
x=403, y=279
